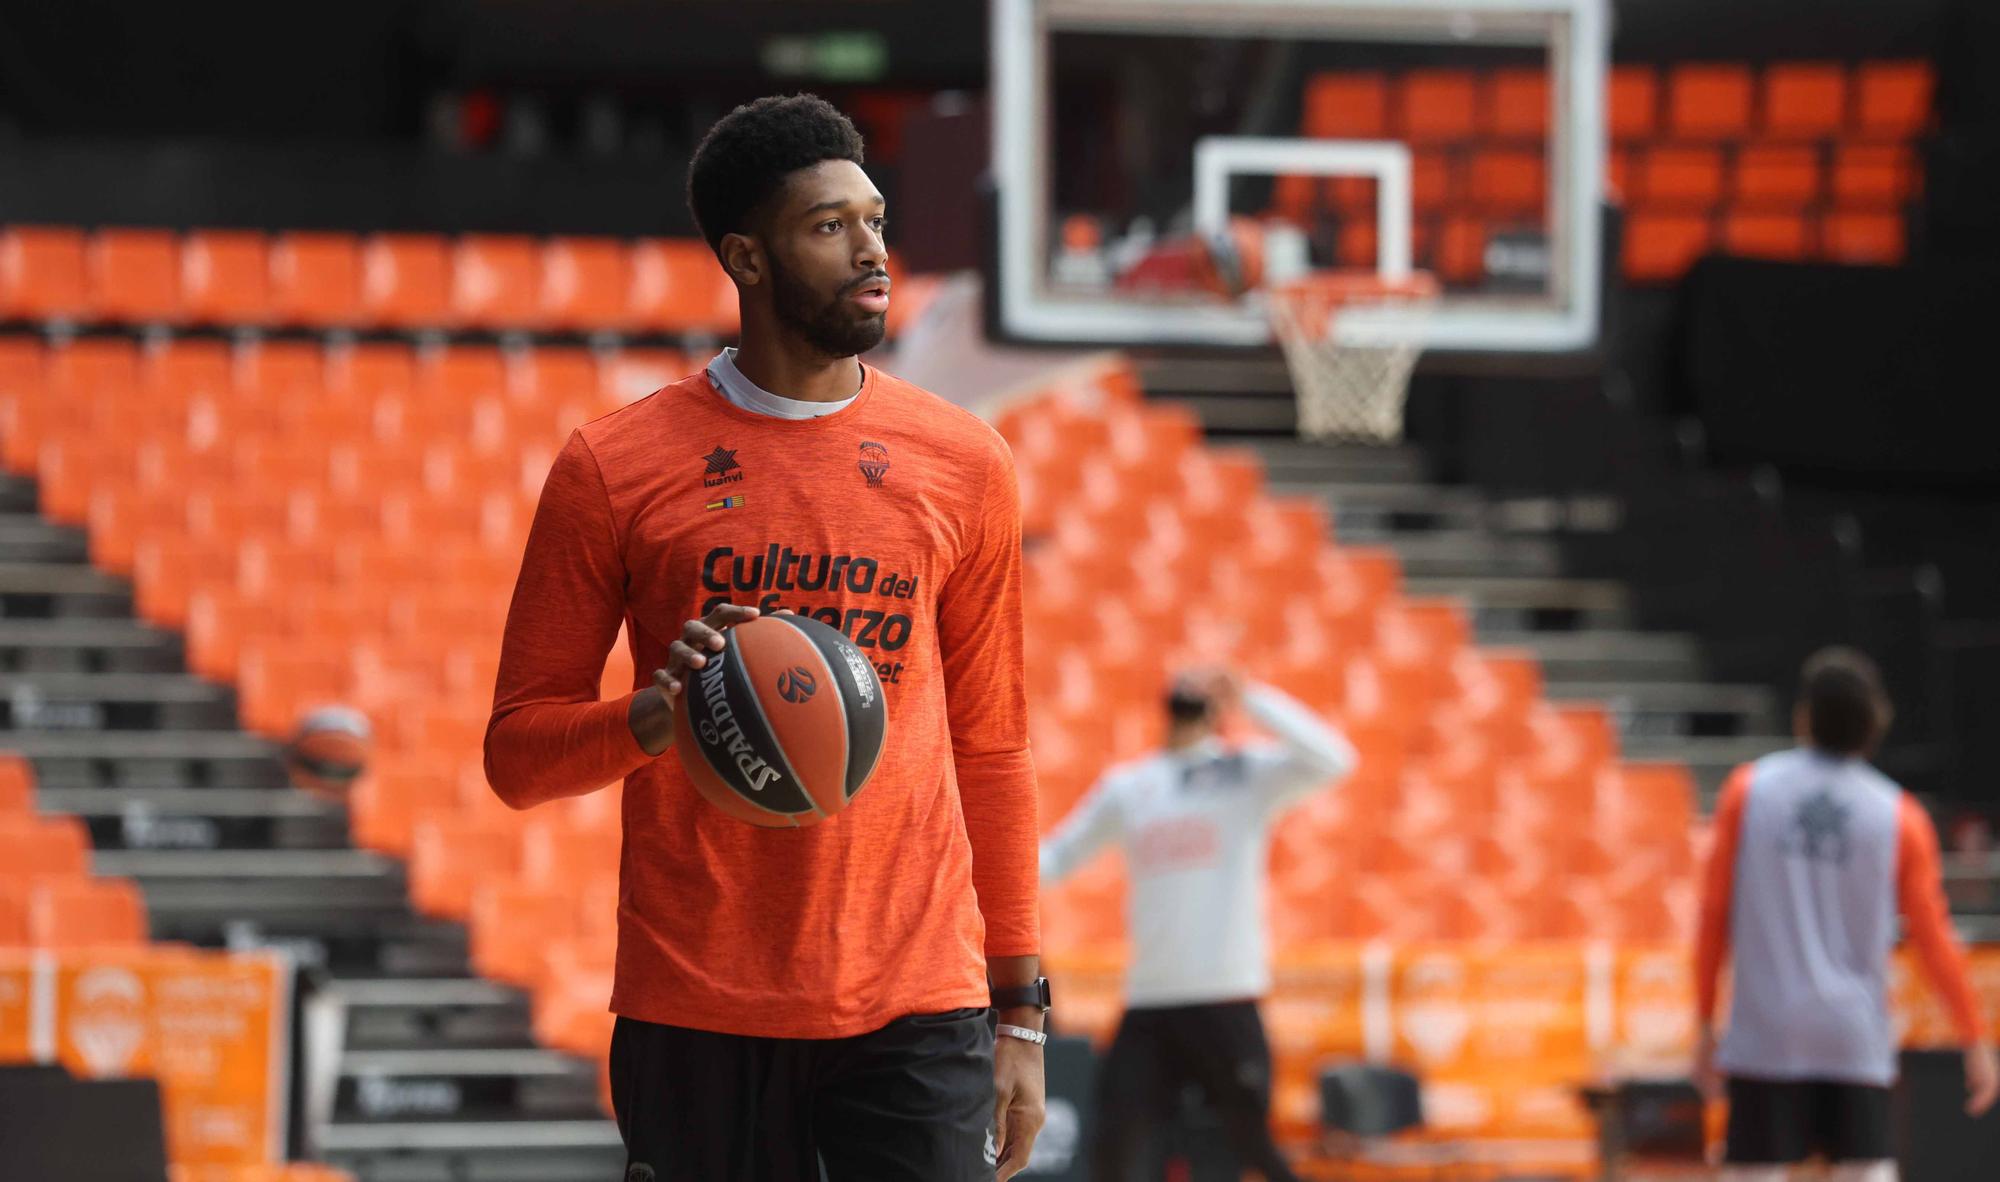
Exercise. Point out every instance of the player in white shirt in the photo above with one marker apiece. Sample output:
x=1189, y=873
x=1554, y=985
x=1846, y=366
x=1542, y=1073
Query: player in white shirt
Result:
x=1194, y=821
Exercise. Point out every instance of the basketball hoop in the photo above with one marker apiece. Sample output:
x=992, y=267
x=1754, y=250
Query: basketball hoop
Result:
x=1350, y=341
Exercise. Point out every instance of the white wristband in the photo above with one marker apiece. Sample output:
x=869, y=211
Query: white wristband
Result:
x=1022, y=1033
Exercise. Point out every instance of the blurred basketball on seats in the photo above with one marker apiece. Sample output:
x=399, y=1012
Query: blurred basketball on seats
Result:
x=330, y=749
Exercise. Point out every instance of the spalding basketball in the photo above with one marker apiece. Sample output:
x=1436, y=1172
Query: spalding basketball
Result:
x=783, y=726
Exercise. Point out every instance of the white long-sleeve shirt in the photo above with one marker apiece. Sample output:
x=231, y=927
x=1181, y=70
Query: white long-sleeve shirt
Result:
x=1195, y=826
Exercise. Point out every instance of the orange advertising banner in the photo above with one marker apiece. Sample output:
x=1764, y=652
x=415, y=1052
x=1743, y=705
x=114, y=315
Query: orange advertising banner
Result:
x=1318, y=1005
x=1471, y=1007
x=17, y=1009
x=213, y=1029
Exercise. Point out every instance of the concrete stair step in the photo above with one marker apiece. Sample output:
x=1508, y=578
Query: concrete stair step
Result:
x=1473, y=553
x=1684, y=707
x=87, y=646
x=113, y=702
x=519, y=1150
x=1527, y=603
x=45, y=590
x=1710, y=757
x=198, y=894
x=390, y=1013
x=1605, y=655
x=465, y=1083
x=26, y=538
x=151, y=759
x=202, y=818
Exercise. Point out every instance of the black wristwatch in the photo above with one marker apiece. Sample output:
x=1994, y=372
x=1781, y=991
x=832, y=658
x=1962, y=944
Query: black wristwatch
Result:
x=1036, y=995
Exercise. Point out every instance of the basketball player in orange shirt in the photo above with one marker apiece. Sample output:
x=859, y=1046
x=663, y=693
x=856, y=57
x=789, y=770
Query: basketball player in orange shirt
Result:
x=796, y=999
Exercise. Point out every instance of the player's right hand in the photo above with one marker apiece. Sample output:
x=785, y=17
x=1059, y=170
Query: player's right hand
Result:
x=651, y=716
x=1982, y=1078
x=698, y=639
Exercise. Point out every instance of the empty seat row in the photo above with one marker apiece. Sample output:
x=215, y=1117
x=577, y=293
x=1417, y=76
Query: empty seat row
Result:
x=1696, y=100
x=383, y=281
x=1659, y=247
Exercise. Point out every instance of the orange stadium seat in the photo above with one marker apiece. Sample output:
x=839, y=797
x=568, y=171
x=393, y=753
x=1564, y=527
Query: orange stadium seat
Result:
x=1346, y=106
x=1873, y=175
x=1767, y=175
x=406, y=280
x=1516, y=105
x=1679, y=176
x=1893, y=98
x=1804, y=100
x=17, y=785
x=225, y=277
x=182, y=369
x=569, y=1010
x=1434, y=105
x=1867, y=238
x=398, y=789
x=277, y=371
x=1461, y=250
x=1661, y=247
x=86, y=912
x=1509, y=180
x=316, y=279
x=632, y=374
x=1782, y=236
x=1634, y=101
x=584, y=283
x=33, y=846
x=43, y=275
x=1434, y=181
x=452, y=860
x=135, y=275
x=511, y=926
x=1709, y=101
x=365, y=372
x=462, y=374
x=677, y=286
x=496, y=281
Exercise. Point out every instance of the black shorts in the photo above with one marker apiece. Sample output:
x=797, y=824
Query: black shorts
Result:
x=911, y=1102
x=1779, y=1122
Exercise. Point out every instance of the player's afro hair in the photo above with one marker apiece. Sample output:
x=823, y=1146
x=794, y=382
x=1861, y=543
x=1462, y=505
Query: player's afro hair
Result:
x=749, y=152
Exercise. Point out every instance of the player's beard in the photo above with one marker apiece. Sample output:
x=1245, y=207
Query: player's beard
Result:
x=830, y=326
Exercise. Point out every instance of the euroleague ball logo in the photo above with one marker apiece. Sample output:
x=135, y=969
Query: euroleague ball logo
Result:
x=796, y=684
x=709, y=734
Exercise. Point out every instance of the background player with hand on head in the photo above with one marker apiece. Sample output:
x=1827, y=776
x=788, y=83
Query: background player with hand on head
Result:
x=789, y=998
x=1815, y=853
x=1194, y=821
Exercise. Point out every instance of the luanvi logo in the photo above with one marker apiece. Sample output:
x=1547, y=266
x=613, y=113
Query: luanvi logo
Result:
x=722, y=467
x=797, y=684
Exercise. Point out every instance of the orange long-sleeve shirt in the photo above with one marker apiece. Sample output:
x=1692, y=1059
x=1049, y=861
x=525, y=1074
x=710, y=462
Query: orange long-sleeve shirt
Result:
x=1919, y=887
x=897, y=520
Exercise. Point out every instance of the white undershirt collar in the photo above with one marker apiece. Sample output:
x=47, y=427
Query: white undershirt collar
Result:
x=744, y=393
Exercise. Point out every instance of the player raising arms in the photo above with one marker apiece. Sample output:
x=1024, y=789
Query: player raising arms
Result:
x=1815, y=852
x=789, y=998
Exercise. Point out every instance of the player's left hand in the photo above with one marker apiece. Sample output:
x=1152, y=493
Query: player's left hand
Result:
x=1707, y=1080
x=1018, y=1106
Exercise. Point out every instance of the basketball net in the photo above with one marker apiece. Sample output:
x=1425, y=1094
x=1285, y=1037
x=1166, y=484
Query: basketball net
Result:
x=1350, y=341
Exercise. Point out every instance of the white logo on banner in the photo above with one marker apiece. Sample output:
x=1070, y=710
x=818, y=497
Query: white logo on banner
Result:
x=1436, y=1029
x=109, y=1022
